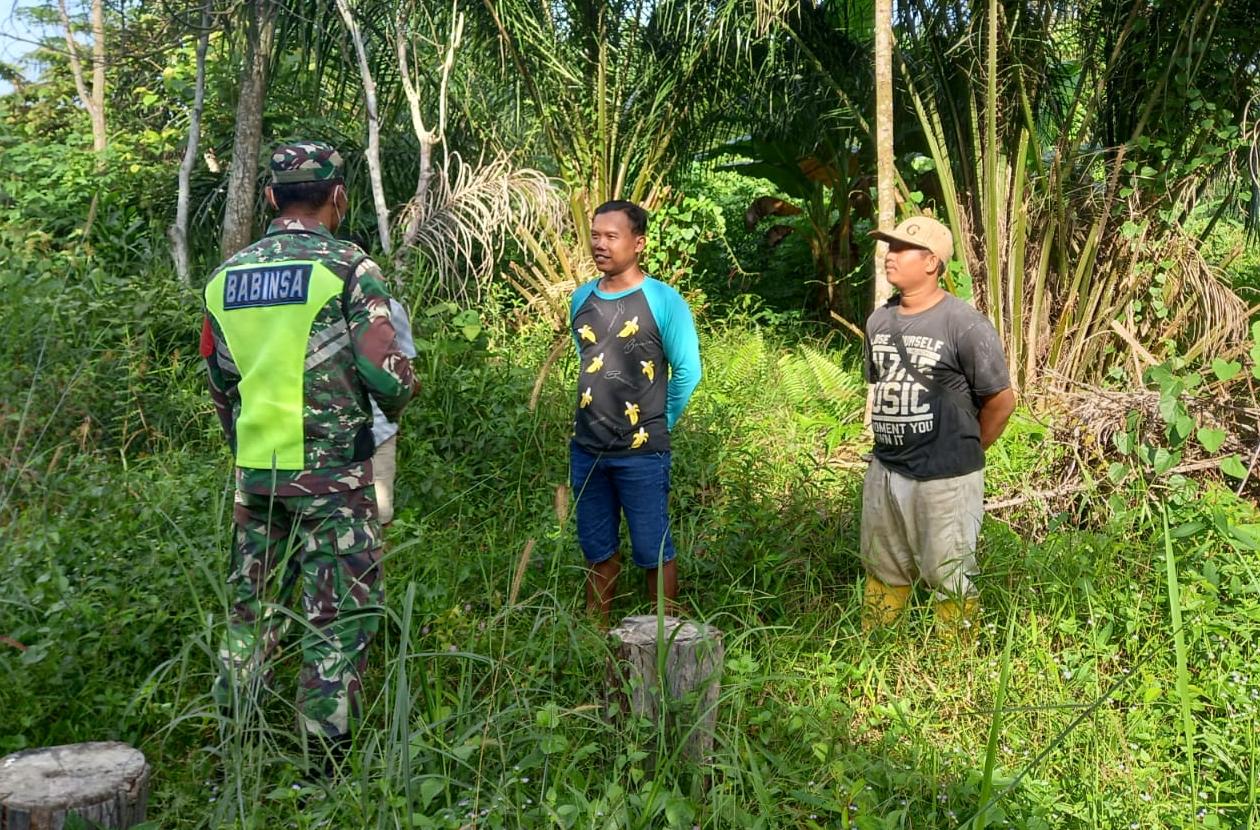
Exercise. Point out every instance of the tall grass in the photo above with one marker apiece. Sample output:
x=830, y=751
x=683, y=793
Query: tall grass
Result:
x=1182, y=667
x=485, y=703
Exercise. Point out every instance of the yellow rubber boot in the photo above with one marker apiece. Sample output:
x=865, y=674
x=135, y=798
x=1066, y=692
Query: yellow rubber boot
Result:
x=957, y=620
x=882, y=604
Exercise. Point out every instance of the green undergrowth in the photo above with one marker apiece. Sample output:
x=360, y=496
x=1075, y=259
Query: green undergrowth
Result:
x=488, y=712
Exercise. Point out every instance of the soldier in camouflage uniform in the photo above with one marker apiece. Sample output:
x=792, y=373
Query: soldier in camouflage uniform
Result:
x=298, y=340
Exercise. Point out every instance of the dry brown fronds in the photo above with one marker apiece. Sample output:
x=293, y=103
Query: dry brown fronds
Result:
x=1090, y=419
x=468, y=213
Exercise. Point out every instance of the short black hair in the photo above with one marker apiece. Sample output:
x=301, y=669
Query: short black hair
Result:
x=638, y=216
x=310, y=195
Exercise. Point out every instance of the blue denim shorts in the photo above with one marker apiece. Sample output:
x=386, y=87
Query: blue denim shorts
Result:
x=606, y=487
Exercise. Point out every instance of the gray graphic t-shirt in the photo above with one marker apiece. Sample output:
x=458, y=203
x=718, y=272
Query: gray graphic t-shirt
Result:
x=932, y=431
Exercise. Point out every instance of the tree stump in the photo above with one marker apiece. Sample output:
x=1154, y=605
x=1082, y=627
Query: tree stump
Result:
x=105, y=783
x=692, y=682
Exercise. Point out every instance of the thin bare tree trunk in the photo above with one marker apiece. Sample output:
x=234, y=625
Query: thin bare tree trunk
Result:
x=885, y=174
x=178, y=232
x=93, y=99
x=76, y=66
x=373, y=125
x=238, y=213
x=428, y=138
x=100, y=139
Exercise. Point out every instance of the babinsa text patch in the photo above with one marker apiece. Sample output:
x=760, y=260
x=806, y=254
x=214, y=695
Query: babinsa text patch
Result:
x=262, y=285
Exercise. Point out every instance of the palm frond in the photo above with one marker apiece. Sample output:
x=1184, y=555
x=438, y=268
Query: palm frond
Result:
x=468, y=214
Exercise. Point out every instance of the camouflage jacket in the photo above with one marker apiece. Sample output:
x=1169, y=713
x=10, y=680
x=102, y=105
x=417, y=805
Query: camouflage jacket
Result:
x=351, y=354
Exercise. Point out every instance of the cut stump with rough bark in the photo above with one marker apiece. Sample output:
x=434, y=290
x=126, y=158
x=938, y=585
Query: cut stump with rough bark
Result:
x=104, y=783
x=693, y=678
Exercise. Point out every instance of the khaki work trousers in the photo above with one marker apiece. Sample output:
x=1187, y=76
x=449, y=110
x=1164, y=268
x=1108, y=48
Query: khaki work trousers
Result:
x=925, y=531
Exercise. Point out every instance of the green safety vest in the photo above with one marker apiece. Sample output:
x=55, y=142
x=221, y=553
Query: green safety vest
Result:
x=265, y=312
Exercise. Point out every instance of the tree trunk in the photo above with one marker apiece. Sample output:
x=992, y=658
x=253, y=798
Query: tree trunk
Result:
x=238, y=213
x=885, y=174
x=76, y=66
x=100, y=139
x=993, y=183
x=93, y=99
x=106, y=784
x=686, y=697
x=428, y=138
x=373, y=125
x=178, y=232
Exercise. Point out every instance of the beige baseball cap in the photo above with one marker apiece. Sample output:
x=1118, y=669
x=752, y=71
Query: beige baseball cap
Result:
x=921, y=232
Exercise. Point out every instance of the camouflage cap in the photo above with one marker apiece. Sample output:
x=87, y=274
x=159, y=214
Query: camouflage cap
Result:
x=305, y=161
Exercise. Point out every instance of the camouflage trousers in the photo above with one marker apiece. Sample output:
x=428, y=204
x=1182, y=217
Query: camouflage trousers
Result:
x=330, y=545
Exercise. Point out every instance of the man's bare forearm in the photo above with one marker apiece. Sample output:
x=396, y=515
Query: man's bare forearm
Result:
x=995, y=412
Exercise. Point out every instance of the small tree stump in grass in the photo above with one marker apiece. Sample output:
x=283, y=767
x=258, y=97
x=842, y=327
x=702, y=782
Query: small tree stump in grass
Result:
x=692, y=682
x=106, y=784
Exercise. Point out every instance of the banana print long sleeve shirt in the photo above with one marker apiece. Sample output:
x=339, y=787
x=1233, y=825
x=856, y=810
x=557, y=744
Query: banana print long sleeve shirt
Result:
x=640, y=363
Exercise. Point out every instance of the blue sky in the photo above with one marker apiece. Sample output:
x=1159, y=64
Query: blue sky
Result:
x=15, y=34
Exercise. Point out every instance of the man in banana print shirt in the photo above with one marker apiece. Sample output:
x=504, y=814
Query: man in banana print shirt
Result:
x=640, y=362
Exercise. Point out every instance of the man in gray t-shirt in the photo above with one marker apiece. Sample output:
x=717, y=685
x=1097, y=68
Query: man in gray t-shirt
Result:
x=940, y=395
